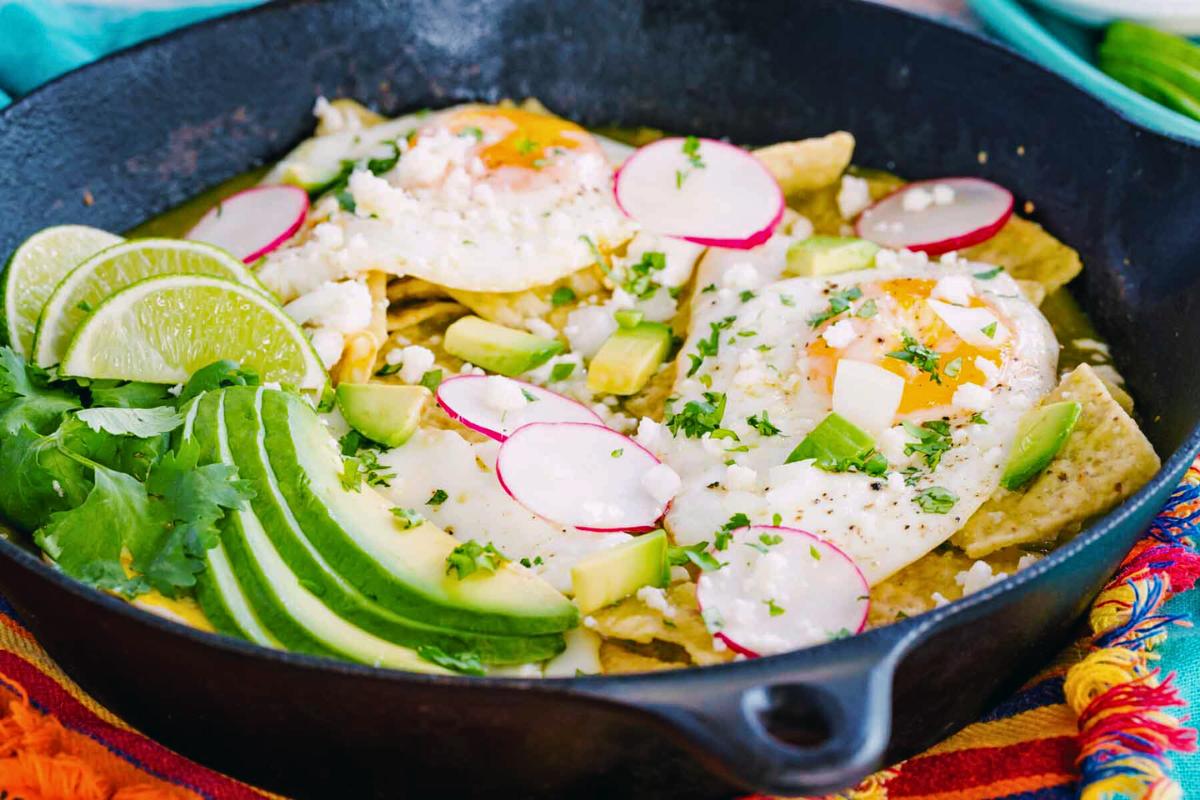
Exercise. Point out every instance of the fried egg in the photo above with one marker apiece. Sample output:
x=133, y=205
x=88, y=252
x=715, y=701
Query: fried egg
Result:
x=479, y=198
x=907, y=344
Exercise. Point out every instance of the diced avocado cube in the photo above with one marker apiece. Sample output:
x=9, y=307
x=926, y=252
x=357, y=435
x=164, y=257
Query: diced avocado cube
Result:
x=383, y=413
x=1041, y=434
x=498, y=349
x=616, y=573
x=629, y=358
x=830, y=255
x=313, y=165
x=836, y=444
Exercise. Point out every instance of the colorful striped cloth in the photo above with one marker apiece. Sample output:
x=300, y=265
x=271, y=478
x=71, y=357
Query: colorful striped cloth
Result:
x=1092, y=725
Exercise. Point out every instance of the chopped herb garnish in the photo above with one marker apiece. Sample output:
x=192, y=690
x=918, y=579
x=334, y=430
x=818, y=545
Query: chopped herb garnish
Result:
x=432, y=379
x=561, y=371
x=765, y=542
x=867, y=310
x=525, y=145
x=814, y=552
x=911, y=475
x=777, y=520
x=629, y=317
x=787, y=300
x=773, y=608
x=839, y=303
x=989, y=330
x=725, y=532
x=989, y=274
x=536, y=562
x=364, y=467
x=936, y=500
x=978, y=418
x=953, y=368
x=620, y=451
x=638, y=277
x=529, y=396
x=438, y=497
x=762, y=424
x=838, y=445
x=746, y=296
x=471, y=557
x=710, y=345
x=387, y=369
x=840, y=633
x=407, y=518
x=712, y=287
x=698, y=417
x=561, y=296
x=691, y=149
x=84, y=306
x=693, y=554
x=932, y=440
x=472, y=130
x=597, y=256
x=923, y=358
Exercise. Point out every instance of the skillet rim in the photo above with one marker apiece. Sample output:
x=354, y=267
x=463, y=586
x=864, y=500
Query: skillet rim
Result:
x=891, y=641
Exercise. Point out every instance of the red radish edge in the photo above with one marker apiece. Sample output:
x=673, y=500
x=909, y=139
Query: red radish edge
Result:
x=491, y=434
x=630, y=529
x=746, y=243
x=974, y=237
x=278, y=240
x=747, y=652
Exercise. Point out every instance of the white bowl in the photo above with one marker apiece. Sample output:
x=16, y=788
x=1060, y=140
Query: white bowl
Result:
x=1176, y=16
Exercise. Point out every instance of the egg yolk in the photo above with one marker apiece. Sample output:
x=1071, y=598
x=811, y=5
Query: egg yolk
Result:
x=903, y=306
x=527, y=139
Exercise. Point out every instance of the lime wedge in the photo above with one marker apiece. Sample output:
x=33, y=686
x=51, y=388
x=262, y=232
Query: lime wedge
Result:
x=109, y=271
x=163, y=329
x=36, y=268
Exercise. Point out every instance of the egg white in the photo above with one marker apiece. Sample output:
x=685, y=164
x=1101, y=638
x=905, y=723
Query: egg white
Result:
x=873, y=519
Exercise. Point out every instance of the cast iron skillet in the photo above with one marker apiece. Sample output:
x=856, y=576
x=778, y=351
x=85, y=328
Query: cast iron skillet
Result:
x=149, y=128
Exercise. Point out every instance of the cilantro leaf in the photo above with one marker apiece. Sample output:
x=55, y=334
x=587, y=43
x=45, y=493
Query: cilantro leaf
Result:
x=139, y=422
x=679, y=556
x=465, y=662
x=923, y=358
x=936, y=500
x=121, y=394
x=839, y=303
x=40, y=479
x=932, y=440
x=698, y=417
x=216, y=375
x=639, y=280
x=471, y=557
x=762, y=423
x=26, y=399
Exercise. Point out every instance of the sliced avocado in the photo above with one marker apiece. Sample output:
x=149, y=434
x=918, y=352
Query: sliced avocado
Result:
x=217, y=589
x=614, y=574
x=829, y=255
x=313, y=165
x=1152, y=84
x=289, y=607
x=383, y=413
x=1041, y=434
x=405, y=571
x=246, y=446
x=629, y=359
x=506, y=351
x=836, y=444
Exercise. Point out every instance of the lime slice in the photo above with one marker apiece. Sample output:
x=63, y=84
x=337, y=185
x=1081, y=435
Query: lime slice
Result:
x=36, y=268
x=163, y=329
x=109, y=271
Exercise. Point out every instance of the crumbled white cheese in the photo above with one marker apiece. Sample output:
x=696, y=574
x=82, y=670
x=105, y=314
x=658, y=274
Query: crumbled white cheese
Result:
x=853, y=196
x=470, y=369
x=328, y=343
x=918, y=198
x=503, y=394
x=939, y=600
x=943, y=194
x=332, y=120
x=394, y=356
x=740, y=479
x=343, y=306
x=661, y=482
x=588, y=328
x=656, y=599
x=417, y=361
x=57, y=487
x=740, y=276
x=840, y=334
x=979, y=576
x=956, y=289
x=951, y=258
x=972, y=397
x=649, y=433
x=798, y=226
x=539, y=327
x=175, y=390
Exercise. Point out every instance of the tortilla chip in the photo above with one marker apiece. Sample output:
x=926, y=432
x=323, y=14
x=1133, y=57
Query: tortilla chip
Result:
x=911, y=590
x=820, y=207
x=513, y=308
x=634, y=621
x=808, y=164
x=1034, y=292
x=1028, y=252
x=1105, y=460
x=618, y=658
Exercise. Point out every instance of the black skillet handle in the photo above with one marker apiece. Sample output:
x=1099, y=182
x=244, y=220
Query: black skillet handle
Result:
x=842, y=701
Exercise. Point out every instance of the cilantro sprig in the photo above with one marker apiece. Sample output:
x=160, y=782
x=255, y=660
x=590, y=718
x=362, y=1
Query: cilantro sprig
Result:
x=923, y=358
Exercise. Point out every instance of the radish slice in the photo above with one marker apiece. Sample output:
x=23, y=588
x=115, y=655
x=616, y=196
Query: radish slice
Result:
x=466, y=399
x=701, y=190
x=781, y=589
x=253, y=222
x=581, y=475
x=937, y=216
